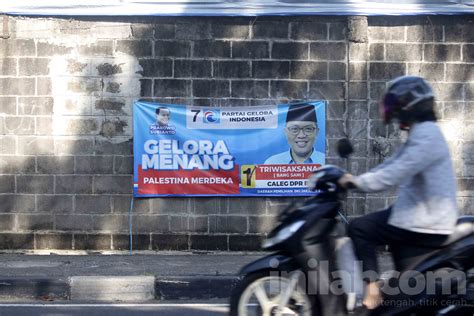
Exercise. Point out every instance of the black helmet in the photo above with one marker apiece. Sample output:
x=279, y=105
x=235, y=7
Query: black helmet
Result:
x=404, y=99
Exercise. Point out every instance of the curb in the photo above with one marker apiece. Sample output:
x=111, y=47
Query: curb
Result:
x=112, y=288
x=35, y=288
x=118, y=288
x=194, y=288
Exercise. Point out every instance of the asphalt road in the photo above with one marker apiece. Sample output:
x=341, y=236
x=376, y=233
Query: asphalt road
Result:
x=59, y=309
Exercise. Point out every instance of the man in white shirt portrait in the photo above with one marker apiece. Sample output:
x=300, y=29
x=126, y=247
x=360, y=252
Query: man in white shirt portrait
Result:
x=301, y=131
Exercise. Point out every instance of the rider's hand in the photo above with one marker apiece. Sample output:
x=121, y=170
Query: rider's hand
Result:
x=346, y=181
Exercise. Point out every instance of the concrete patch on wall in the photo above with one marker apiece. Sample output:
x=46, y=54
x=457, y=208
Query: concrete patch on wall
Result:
x=102, y=94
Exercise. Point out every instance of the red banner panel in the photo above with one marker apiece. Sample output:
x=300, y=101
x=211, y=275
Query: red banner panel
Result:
x=193, y=181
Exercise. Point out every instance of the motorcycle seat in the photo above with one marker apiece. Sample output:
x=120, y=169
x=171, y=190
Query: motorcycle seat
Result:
x=406, y=256
x=464, y=228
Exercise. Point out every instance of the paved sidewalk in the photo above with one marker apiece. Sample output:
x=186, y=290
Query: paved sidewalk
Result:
x=162, y=264
x=137, y=277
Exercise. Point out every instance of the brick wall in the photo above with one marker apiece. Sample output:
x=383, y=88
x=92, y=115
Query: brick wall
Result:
x=66, y=89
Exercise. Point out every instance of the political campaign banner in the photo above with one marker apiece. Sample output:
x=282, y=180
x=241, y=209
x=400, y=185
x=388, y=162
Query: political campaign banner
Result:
x=227, y=151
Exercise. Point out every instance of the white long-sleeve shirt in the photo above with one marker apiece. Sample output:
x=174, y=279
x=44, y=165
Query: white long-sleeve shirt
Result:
x=423, y=171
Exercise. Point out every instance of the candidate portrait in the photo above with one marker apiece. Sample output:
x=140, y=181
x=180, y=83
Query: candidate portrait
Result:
x=163, y=115
x=301, y=131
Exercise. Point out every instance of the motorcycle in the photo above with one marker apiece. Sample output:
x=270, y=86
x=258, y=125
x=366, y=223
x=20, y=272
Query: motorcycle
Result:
x=312, y=269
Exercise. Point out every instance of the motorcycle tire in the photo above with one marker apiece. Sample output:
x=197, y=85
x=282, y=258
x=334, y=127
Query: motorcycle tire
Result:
x=251, y=279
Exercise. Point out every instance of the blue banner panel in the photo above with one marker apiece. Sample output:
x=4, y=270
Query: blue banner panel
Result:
x=234, y=151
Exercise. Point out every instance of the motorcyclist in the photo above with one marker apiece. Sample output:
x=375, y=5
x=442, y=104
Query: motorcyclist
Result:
x=421, y=168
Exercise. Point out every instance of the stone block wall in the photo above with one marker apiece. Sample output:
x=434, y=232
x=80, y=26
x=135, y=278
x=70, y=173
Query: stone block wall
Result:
x=66, y=93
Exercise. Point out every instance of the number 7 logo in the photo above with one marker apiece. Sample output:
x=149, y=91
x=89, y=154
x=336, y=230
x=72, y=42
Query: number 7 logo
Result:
x=196, y=113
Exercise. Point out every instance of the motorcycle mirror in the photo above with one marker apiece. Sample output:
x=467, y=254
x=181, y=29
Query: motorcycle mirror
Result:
x=344, y=148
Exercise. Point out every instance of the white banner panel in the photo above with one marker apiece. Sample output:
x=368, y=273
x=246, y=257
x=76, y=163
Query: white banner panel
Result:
x=233, y=118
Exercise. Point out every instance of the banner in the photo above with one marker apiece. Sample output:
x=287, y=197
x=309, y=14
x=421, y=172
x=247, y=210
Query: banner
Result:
x=233, y=151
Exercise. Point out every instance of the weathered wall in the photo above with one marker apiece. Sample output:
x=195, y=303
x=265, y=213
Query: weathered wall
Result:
x=67, y=87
